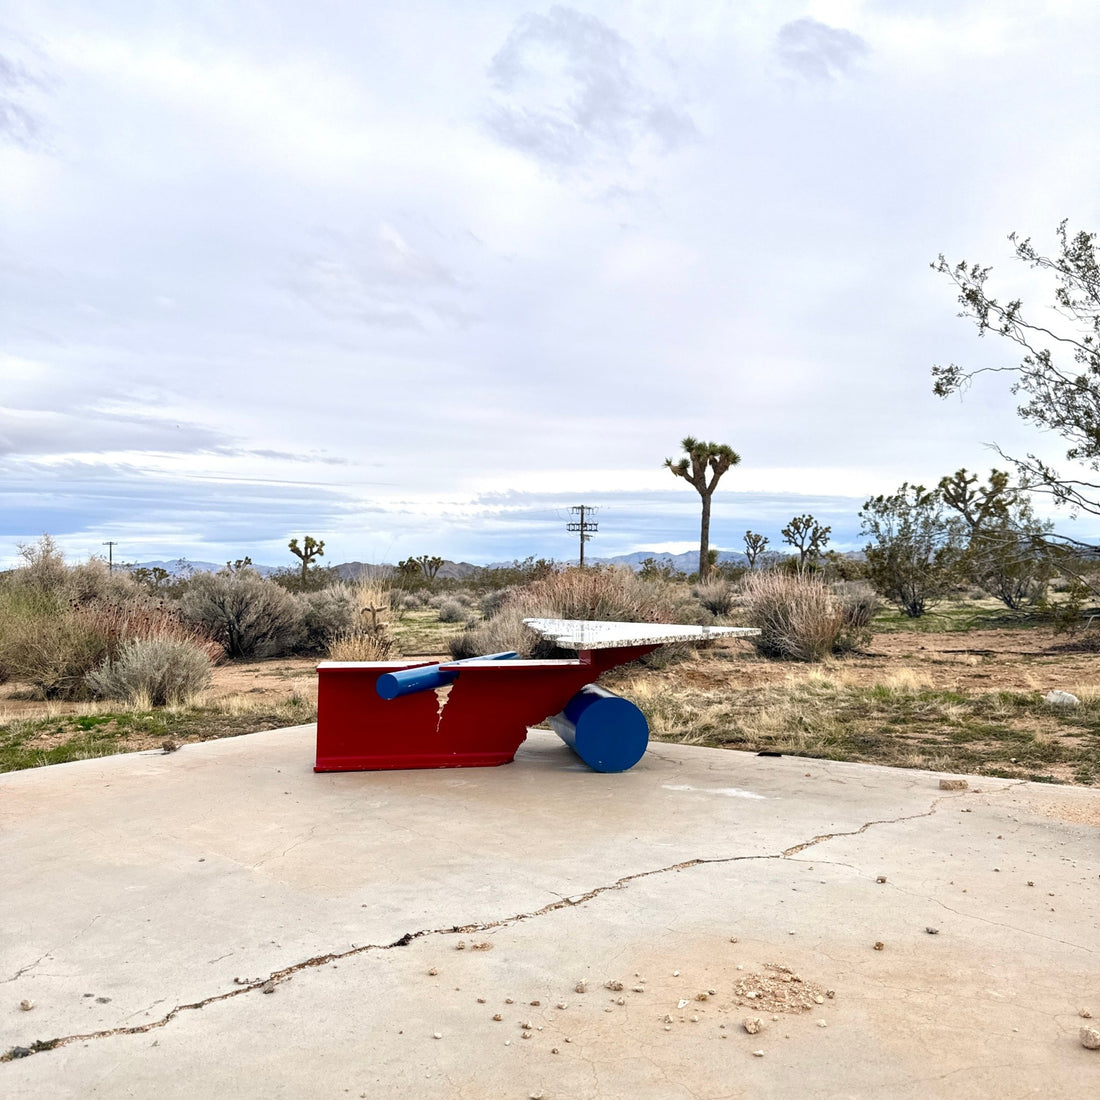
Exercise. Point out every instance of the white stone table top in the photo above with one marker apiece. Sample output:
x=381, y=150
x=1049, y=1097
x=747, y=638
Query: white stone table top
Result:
x=581, y=634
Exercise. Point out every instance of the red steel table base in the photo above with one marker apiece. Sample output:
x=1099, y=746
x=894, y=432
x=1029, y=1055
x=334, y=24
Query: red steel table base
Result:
x=481, y=722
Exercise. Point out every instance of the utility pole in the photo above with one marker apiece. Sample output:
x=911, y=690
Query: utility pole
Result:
x=110, y=556
x=582, y=527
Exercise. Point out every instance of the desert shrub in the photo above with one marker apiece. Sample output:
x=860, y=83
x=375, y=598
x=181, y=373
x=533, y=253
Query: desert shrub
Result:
x=492, y=601
x=916, y=547
x=49, y=648
x=799, y=616
x=367, y=636
x=93, y=582
x=60, y=622
x=163, y=671
x=716, y=594
x=451, y=611
x=43, y=567
x=614, y=594
x=503, y=632
x=324, y=616
x=410, y=601
x=250, y=616
x=859, y=601
x=363, y=645
x=52, y=646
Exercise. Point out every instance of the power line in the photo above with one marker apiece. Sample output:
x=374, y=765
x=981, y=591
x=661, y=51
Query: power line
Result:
x=582, y=527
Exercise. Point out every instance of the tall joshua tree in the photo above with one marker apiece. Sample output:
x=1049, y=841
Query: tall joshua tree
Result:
x=703, y=459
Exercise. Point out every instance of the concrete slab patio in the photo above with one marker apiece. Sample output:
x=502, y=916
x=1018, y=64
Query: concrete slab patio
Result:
x=221, y=921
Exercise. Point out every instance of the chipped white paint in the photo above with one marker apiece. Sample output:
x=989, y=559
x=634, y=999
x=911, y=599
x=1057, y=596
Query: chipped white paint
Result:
x=581, y=634
x=729, y=792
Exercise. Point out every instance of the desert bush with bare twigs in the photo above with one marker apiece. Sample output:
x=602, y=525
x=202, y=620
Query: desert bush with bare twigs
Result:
x=800, y=617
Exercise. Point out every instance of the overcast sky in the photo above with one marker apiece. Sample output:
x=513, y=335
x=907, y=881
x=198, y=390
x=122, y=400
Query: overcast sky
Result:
x=416, y=277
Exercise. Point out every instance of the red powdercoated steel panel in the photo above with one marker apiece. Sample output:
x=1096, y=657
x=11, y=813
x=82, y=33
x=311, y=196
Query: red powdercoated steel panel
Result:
x=482, y=723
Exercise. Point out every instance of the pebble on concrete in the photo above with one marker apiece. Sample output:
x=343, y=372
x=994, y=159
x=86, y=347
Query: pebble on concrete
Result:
x=1090, y=1038
x=751, y=1024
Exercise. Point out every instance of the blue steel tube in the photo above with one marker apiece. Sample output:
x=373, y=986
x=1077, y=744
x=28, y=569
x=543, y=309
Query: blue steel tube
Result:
x=609, y=733
x=391, y=685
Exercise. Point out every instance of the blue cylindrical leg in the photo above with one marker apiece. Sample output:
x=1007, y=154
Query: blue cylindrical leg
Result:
x=609, y=733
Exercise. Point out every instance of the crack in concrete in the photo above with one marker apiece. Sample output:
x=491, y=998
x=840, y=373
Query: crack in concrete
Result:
x=277, y=977
x=23, y=969
x=793, y=851
x=49, y=954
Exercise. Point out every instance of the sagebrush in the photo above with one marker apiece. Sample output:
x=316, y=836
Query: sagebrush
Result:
x=163, y=671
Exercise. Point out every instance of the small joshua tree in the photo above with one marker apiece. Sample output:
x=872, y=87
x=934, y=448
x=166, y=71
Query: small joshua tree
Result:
x=308, y=552
x=755, y=545
x=807, y=536
x=703, y=458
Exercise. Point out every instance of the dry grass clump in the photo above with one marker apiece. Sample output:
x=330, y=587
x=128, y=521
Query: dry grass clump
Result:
x=611, y=594
x=717, y=595
x=800, y=617
x=362, y=645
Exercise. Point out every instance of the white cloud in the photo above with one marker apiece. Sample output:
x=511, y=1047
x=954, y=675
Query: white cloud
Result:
x=817, y=52
x=568, y=93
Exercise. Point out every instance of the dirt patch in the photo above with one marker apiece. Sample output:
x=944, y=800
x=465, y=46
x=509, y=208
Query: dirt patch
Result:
x=1071, y=811
x=278, y=678
x=778, y=988
x=979, y=660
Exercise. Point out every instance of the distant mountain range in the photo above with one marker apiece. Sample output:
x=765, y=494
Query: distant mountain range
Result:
x=457, y=570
